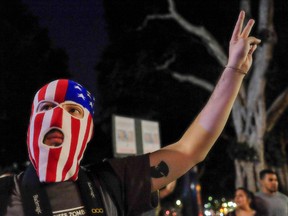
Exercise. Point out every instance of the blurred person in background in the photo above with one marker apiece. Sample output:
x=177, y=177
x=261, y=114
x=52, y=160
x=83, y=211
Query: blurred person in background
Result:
x=243, y=199
x=277, y=202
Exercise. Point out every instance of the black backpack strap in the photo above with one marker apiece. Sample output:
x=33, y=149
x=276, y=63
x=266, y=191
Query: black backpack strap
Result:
x=110, y=182
x=33, y=195
x=6, y=188
x=90, y=193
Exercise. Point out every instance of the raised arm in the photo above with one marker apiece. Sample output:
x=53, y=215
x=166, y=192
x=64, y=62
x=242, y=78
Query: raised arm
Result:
x=172, y=161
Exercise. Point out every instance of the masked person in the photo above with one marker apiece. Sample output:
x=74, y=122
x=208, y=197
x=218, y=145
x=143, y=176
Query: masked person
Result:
x=61, y=126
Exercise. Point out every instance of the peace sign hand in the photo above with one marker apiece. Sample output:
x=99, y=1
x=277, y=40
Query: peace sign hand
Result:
x=242, y=45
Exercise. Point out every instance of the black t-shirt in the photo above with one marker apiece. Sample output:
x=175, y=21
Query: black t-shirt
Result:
x=65, y=199
x=133, y=173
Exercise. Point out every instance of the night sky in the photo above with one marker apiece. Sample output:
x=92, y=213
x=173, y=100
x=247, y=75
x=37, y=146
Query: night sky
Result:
x=78, y=27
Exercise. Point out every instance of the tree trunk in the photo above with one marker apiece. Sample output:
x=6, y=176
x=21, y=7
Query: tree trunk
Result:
x=249, y=114
x=245, y=172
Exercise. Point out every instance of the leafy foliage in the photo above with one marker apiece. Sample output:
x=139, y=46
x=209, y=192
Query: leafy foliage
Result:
x=242, y=151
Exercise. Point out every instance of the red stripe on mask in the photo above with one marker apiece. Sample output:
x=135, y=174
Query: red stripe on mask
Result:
x=54, y=154
x=53, y=158
x=42, y=93
x=61, y=90
x=38, y=121
x=87, y=137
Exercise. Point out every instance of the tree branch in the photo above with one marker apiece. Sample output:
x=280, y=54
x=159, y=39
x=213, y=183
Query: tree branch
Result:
x=185, y=78
x=194, y=80
x=208, y=40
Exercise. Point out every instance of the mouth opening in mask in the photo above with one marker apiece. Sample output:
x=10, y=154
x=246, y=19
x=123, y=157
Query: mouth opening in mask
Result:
x=53, y=138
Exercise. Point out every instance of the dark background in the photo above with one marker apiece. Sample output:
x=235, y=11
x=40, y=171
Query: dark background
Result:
x=97, y=44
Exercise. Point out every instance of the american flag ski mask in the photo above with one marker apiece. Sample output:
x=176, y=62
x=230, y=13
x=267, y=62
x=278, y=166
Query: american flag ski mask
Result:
x=60, y=163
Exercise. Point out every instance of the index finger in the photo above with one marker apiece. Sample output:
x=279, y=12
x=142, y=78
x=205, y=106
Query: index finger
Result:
x=238, y=27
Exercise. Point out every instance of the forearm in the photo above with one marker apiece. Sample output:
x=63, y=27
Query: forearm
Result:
x=214, y=115
x=211, y=120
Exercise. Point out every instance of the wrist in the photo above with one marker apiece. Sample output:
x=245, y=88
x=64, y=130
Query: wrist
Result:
x=236, y=70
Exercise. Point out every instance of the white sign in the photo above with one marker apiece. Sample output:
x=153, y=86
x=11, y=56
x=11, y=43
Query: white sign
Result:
x=125, y=135
x=150, y=136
